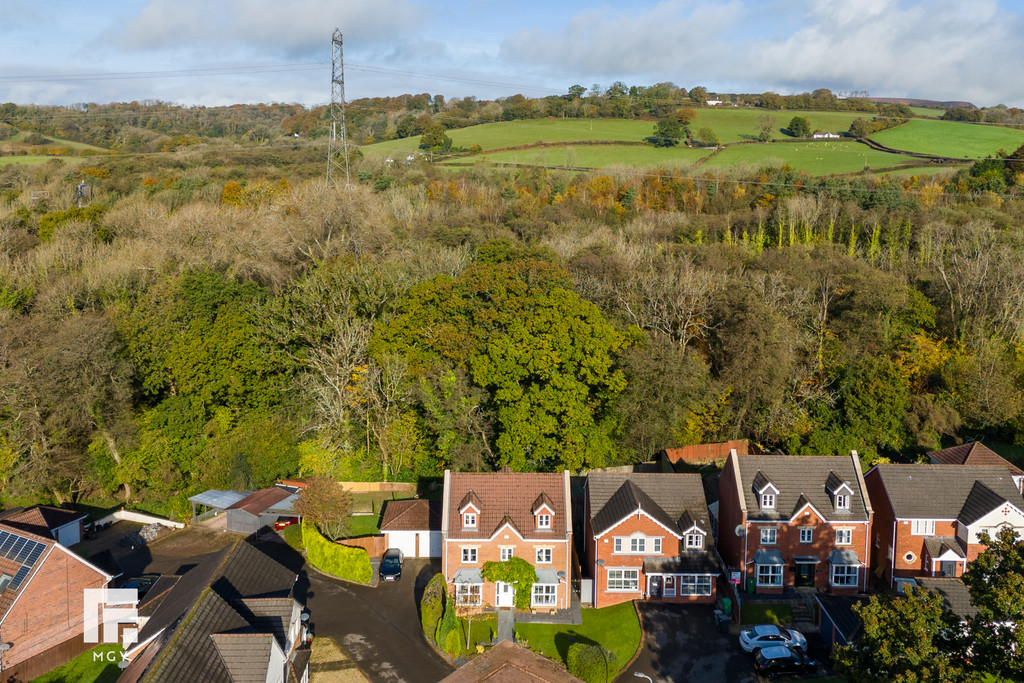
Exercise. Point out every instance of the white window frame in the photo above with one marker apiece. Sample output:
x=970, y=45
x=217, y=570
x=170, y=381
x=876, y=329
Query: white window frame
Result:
x=617, y=545
x=656, y=545
x=922, y=527
x=773, y=574
x=767, y=501
x=466, y=596
x=842, y=501
x=626, y=580
x=637, y=545
x=694, y=584
x=507, y=553
x=769, y=535
x=543, y=521
x=549, y=595
x=466, y=552
x=694, y=541
x=848, y=575
x=468, y=520
x=545, y=553
x=806, y=534
x=844, y=536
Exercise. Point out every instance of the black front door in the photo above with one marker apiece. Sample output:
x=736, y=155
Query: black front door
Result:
x=948, y=569
x=804, y=575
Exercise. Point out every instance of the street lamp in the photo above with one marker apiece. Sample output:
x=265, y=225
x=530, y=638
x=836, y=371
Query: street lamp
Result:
x=637, y=674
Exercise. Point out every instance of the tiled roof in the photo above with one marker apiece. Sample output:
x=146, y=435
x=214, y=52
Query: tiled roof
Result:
x=19, y=564
x=236, y=590
x=973, y=453
x=260, y=501
x=246, y=656
x=685, y=563
x=507, y=493
x=840, y=612
x=541, y=501
x=469, y=499
x=507, y=662
x=937, y=546
x=981, y=501
x=412, y=515
x=955, y=595
x=942, y=491
x=801, y=479
x=675, y=500
x=43, y=519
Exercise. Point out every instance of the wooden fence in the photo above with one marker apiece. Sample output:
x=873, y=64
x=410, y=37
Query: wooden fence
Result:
x=702, y=454
x=373, y=545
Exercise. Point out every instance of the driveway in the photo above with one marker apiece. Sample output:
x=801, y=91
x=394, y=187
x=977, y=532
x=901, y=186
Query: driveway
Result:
x=681, y=644
x=379, y=628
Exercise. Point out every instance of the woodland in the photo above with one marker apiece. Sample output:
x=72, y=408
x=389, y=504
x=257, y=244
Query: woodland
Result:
x=215, y=315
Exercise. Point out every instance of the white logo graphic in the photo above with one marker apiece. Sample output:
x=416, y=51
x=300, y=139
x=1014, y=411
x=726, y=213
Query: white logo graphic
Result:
x=117, y=606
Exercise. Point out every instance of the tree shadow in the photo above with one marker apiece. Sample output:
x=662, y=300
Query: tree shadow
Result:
x=564, y=640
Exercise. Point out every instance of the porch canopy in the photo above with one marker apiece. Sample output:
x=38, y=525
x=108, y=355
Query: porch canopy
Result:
x=471, y=576
x=547, y=576
x=844, y=556
x=685, y=563
x=765, y=556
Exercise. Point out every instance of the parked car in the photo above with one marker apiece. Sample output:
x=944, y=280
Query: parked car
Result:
x=778, y=660
x=767, y=635
x=282, y=523
x=391, y=565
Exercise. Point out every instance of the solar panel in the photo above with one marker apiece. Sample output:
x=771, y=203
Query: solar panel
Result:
x=19, y=545
x=34, y=554
x=6, y=542
x=18, y=578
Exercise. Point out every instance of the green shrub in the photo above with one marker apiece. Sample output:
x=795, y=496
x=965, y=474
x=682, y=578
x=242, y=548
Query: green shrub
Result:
x=449, y=622
x=453, y=642
x=432, y=606
x=592, y=663
x=516, y=571
x=335, y=559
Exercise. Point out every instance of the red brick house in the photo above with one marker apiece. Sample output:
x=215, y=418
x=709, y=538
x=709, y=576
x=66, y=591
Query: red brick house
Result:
x=500, y=515
x=928, y=517
x=648, y=537
x=792, y=521
x=63, y=526
x=41, y=600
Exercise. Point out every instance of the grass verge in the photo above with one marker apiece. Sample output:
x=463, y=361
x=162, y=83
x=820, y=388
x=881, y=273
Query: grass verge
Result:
x=766, y=613
x=86, y=669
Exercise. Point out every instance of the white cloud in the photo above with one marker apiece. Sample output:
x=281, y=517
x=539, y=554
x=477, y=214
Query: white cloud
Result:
x=296, y=27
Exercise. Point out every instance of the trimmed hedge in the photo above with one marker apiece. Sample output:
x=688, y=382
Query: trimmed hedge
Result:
x=432, y=606
x=338, y=560
x=449, y=623
x=592, y=663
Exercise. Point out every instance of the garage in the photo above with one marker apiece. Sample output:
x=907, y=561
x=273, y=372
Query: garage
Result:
x=413, y=526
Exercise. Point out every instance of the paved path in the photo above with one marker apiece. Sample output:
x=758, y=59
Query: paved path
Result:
x=506, y=625
x=682, y=645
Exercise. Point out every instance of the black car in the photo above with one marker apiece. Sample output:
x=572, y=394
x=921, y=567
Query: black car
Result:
x=779, y=659
x=391, y=565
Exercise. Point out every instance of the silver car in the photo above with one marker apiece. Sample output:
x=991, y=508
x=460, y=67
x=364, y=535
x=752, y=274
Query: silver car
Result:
x=768, y=635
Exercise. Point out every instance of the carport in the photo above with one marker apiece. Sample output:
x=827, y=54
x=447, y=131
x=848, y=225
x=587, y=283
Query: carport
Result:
x=261, y=508
x=214, y=502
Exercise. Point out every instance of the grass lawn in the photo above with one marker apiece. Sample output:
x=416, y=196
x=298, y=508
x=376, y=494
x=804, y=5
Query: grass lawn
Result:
x=82, y=669
x=363, y=525
x=484, y=630
x=597, y=156
x=816, y=158
x=951, y=138
x=766, y=613
x=928, y=112
x=735, y=125
x=615, y=628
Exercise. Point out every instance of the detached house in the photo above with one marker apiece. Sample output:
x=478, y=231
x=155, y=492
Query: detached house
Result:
x=648, y=536
x=501, y=515
x=929, y=516
x=977, y=454
x=41, y=593
x=791, y=521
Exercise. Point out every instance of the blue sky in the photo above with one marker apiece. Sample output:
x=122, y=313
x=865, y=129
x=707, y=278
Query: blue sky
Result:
x=216, y=52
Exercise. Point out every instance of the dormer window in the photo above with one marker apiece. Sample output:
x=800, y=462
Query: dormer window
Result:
x=840, y=492
x=765, y=490
x=543, y=521
x=543, y=509
x=469, y=520
x=767, y=501
x=694, y=541
x=842, y=501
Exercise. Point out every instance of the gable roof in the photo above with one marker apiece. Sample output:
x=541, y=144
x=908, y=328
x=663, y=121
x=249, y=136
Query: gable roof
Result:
x=947, y=491
x=507, y=662
x=260, y=501
x=506, y=494
x=21, y=555
x=802, y=479
x=234, y=572
x=675, y=500
x=973, y=453
x=955, y=595
x=411, y=515
x=43, y=519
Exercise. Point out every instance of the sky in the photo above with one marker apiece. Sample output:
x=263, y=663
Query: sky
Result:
x=219, y=52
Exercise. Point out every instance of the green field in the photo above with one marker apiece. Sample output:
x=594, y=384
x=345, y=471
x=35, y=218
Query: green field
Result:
x=597, y=156
x=951, y=138
x=56, y=142
x=816, y=158
x=928, y=112
x=4, y=161
x=737, y=125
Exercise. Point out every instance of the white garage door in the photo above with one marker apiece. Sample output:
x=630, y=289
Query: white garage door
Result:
x=404, y=541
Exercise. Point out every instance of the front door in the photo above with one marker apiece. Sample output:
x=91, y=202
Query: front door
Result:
x=804, y=575
x=948, y=569
x=504, y=594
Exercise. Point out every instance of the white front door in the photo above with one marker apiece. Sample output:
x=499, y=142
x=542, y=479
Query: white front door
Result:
x=504, y=594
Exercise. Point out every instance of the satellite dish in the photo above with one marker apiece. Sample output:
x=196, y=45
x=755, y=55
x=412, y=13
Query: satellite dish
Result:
x=739, y=530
